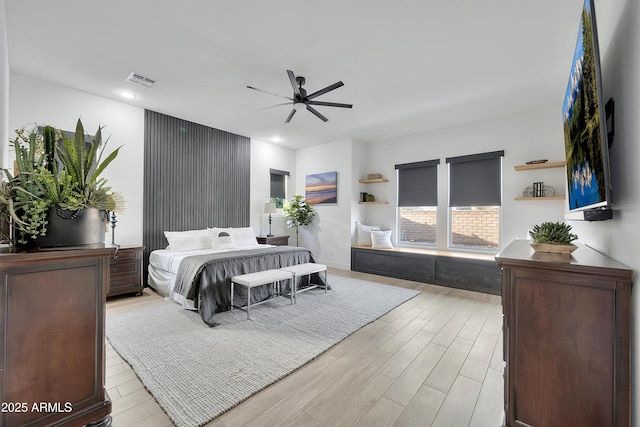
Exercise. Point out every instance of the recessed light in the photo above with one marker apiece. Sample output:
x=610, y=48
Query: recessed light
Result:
x=127, y=94
x=276, y=138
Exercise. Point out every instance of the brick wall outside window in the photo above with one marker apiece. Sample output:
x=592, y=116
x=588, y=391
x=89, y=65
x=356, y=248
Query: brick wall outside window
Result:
x=417, y=226
x=476, y=228
x=471, y=228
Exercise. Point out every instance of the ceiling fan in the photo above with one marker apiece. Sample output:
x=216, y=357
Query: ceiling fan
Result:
x=301, y=100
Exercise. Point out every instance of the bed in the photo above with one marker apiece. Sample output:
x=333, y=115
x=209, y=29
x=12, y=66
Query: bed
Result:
x=199, y=277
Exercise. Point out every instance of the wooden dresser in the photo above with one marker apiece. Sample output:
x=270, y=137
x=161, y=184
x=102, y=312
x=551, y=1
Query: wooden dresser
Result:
x=566, y=338
x=126, y=271
x=52, y=314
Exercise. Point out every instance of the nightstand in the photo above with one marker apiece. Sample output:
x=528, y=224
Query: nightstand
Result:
x=273, y=240
x=126, y=271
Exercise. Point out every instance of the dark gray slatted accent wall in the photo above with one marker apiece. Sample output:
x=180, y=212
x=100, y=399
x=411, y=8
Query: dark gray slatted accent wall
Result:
x=194, y=177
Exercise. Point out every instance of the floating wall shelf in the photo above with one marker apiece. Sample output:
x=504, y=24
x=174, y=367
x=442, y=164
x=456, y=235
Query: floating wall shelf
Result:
x=546, y=165
x=373, y=181
x=520, y=199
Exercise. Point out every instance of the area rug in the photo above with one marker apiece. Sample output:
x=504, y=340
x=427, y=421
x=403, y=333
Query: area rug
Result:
x=196, y=372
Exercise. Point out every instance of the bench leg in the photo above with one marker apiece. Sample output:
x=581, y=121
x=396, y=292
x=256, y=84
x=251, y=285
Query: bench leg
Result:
x=326, y=282
x=248, y=302
x=231, y=309
x=292, y=289
x=294, y=284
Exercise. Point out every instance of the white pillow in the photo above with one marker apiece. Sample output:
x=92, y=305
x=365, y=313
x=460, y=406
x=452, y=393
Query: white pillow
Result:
x=363, y=234
x=243, y=236
x=381, y=239
x=188, y=240
x=222, y=240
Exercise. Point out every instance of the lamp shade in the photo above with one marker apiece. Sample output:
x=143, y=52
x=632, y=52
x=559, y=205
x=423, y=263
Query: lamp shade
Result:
x=269, y=208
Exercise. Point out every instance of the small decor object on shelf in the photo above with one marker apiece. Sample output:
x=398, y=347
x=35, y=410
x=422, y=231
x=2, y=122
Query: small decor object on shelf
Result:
x=363, y=197
x=370, y=198
x=538, y=189
x=374, y=176
x=553, y=237
x=547, y=191
x=536, y=162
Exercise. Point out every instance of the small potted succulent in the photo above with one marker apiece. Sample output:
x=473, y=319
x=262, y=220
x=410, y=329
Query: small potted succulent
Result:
x=553, y=237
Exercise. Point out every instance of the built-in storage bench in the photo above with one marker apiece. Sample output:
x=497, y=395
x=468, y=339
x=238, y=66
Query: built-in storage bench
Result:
x=474, y=272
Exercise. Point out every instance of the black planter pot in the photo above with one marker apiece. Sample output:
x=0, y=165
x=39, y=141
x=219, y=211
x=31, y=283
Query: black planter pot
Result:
x=70, y=228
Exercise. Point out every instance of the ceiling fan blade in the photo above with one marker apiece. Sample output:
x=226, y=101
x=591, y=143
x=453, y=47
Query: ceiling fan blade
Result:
x=317, y=113
x=270, y=93
x=294, y=84
x=293, y=111
x=325, y=90
x=330, y=104
x=271, y=106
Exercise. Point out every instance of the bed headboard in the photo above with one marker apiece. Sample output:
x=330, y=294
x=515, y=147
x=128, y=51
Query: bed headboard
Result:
x=194, y=177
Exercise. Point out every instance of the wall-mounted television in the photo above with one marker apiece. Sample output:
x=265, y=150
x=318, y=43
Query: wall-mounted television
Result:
x=586, y=140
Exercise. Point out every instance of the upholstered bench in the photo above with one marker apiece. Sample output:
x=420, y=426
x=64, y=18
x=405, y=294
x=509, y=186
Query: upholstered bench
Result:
x=259, y=278
x=306, y=269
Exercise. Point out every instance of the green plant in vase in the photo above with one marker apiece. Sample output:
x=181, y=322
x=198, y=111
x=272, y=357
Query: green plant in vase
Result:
x=298, y=213
x=54, y=171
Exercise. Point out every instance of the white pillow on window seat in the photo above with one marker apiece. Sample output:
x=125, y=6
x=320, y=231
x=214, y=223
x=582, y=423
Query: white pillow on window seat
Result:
x=381, y=239
x=363, y=234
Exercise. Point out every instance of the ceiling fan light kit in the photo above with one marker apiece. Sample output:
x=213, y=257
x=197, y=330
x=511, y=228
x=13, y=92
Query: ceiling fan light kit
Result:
x=301, y=100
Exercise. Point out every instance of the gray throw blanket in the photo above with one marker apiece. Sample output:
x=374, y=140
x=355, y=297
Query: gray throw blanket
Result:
x=206, y=279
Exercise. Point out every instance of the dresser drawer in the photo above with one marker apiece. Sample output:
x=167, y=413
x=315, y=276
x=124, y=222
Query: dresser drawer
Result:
x=120, y=280
x=124, y=267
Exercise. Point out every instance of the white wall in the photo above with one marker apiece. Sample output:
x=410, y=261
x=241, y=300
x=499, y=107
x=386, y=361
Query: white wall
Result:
x=535, y=134
x=4, y=86
x=37, y=101
x=265, y=156
x=329, y=236
x=619, y=33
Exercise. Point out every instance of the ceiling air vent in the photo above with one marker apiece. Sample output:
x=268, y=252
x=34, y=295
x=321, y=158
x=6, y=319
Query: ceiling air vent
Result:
x=140, y=80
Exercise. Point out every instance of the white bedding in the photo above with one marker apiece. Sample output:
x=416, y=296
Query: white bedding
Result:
x=164, y=264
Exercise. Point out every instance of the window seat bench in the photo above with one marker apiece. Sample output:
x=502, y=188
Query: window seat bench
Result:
x=474, y=272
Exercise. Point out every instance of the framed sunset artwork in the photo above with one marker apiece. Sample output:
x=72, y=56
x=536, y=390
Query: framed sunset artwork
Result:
x=321, y=188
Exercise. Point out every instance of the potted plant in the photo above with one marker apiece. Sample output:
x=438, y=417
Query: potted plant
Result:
x=553, y=237
x=55, y=197
x=298, y=214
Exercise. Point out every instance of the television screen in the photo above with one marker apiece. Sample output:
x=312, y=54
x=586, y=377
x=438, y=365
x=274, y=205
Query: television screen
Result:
x=583, y=111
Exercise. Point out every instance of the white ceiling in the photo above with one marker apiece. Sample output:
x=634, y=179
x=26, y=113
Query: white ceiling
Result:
x=408, y=65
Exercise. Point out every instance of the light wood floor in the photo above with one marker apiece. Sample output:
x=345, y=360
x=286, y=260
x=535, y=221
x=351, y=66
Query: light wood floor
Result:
x=435, y=360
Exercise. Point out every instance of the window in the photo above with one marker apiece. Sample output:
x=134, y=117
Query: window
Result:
x=475, y=196
x=417, y=201
x=278, y=186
